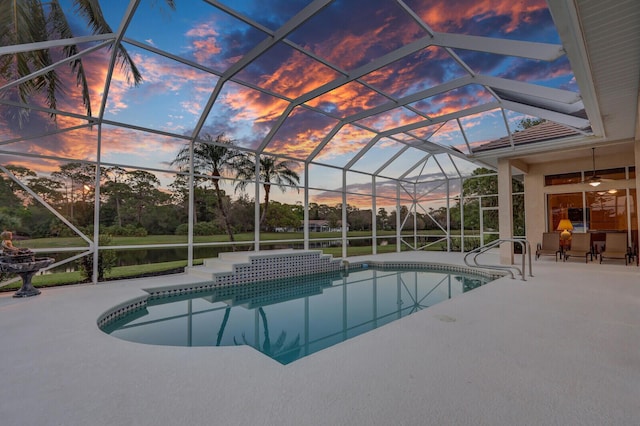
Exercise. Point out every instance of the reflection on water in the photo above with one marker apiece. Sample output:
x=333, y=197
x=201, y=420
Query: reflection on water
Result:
x=148, y=256
x=290, y=319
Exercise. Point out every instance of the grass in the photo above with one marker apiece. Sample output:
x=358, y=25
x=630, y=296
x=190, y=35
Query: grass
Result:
x=63, y=242
x=75, y=277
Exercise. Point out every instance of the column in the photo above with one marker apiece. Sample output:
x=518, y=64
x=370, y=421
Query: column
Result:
x=505, y=216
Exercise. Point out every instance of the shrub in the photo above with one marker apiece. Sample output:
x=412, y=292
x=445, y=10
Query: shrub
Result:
x=106, y=260
x=204, y=228
x=182, y=229
x=470, y=243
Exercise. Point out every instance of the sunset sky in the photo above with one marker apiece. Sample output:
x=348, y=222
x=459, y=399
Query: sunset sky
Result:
x=183, y=55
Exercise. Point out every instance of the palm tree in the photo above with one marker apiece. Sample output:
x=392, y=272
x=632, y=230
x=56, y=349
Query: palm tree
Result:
x=23, y=22
x=272, y=171
x=278, y=350
x=212, y=159
x=227, y=312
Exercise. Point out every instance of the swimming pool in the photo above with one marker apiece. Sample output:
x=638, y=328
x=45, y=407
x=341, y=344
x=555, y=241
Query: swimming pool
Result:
x=288, y=319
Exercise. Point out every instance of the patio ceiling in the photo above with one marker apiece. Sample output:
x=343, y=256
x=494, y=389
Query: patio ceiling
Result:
x=382, y=88
x=602, y=41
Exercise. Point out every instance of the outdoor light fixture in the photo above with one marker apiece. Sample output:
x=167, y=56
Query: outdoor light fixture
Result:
x=594, y=180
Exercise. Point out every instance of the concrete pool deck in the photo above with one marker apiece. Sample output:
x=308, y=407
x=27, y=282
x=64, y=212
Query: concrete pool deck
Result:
x=561, y=348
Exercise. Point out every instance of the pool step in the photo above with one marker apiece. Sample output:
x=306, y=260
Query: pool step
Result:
x=210, y=268
x=243, y=267
x=222, y=264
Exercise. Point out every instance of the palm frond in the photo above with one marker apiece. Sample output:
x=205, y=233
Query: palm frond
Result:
x=23, y=22
x=271, y=171
x=61, y=26
x=128, y=66
x=92, y=12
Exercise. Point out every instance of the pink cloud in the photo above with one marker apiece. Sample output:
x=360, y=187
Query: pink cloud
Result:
x=444, y=16
x=205, y=45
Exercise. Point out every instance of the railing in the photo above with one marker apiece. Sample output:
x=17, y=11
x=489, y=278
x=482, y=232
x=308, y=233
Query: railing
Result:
x=526, y=252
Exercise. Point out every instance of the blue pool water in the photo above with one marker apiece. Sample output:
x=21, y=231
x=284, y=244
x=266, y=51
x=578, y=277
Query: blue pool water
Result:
x=289, y=319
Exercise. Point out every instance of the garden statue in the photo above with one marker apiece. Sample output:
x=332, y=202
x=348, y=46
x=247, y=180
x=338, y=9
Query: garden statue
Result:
x=8, y=249
x=21, y=261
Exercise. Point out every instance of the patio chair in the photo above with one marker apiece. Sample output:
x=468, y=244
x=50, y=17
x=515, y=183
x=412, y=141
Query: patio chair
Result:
x=615, y=247
x=580, y=246
x=550, y=245
x=633, y=254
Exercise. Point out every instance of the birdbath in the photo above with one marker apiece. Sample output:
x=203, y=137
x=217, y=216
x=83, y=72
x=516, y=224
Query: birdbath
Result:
x=25, y=265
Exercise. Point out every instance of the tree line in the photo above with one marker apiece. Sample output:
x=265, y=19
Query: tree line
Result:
x=132, y=202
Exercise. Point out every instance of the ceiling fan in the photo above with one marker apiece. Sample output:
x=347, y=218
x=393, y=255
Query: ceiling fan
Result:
x=594, y=180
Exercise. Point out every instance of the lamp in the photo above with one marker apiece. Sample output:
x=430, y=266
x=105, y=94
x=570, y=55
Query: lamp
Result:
x=565, y=226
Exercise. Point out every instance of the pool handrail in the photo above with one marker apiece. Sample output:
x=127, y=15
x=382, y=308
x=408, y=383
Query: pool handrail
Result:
x=526, y=252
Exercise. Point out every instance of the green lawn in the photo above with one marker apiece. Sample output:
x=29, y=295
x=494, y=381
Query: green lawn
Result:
x=63, y=242
x=66, y=278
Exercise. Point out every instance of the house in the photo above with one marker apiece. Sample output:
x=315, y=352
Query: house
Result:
x=322, y=225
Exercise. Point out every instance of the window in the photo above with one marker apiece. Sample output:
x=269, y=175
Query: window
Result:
x=608, y=210
x=613, y=174
x=618, y=173
x=566, y=206
x=604, y=211
x=563, y=179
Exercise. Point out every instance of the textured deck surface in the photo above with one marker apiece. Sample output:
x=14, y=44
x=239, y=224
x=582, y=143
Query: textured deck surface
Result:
x=561, y=348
